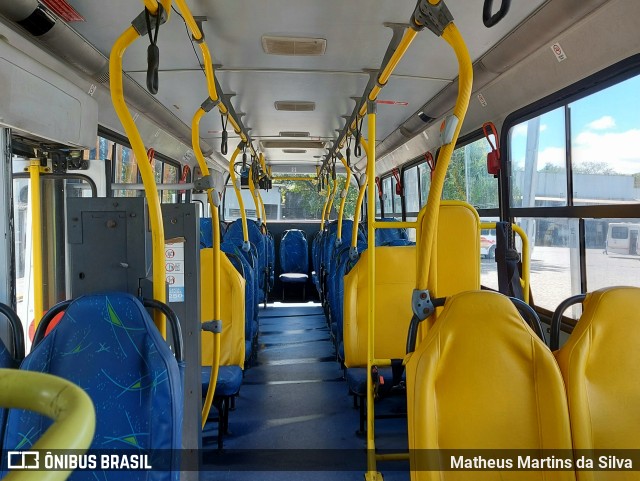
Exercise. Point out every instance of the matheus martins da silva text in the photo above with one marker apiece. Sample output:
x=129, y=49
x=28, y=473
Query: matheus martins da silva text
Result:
x=542, y=463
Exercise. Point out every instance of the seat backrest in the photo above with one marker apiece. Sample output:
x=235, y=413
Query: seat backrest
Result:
x=294, y=252
x=482, y=379
x=108, y=345
x=458, y=270
x=600, y=363
x=232, y=310
x=389, y=236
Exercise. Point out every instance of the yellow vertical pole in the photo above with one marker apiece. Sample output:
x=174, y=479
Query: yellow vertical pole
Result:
x=146, y=172
x=372, y=473
x=324, y=208
x=254, y=196
x=363, y=188
x=215, y=228
x=36, y=239
x=345, y=191
x=236, y=188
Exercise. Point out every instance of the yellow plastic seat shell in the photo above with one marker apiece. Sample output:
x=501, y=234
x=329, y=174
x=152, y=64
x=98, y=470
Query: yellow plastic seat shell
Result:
x=482, y=379
x=458, y=267
x=600, y=363
x=232, y=345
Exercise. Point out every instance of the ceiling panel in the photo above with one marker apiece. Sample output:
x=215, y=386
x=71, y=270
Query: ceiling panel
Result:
x=356, y=39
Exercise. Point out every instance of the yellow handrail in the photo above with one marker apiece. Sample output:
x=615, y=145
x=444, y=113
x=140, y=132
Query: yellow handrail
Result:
x=345, y=191
x=252, y=189
x=324, y=208
x=363, y=188
x=68, y=405
x=36, y=238
x=146, y=172
x=372, y=473
x=426, y=239
x=215, y=229
x=236, y=188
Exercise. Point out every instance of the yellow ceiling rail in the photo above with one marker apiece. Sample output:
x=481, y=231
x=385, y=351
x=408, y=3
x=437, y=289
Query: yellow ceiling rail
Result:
x=344, y=193
x=207, y=61
x=152, y=6
x=68, y=405
x=235, y=182
x=127, y=38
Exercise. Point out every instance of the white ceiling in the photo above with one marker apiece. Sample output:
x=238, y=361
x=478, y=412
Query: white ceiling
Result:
x=356, y=40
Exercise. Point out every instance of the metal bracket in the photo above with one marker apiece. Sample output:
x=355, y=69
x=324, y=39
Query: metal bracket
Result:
x=353, y=253
x=212, y=326
x=434, y=17
x=140, y=22
x=246, y=246
x=338, y=242
x=203, y=183
x=372, y=107
x=209, y=104
x=421, y=304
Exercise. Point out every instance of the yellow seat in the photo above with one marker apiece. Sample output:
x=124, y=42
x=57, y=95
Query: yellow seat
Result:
x=482, y=379
x=458, y=267
x=232, y=345
x=600, y=363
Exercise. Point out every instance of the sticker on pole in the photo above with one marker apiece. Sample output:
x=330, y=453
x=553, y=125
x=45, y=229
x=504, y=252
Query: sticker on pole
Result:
x=174, y=265
x=558, y=52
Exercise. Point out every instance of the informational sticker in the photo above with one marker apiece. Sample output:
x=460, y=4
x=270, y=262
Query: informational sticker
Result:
x=558, y=52
x=174, y=265
x=482, y=100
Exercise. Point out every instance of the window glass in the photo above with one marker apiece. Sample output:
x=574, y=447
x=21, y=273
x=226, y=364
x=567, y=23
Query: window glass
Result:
x=411, y=199
x=467, y=177
x=605, y=145
x=170, y=176
x=397, y=200
x=555, y=259
x=538, y=161
x=387, y=196
x=613, y=252
x=125, y=171
x=291, y=200
x=425, y=182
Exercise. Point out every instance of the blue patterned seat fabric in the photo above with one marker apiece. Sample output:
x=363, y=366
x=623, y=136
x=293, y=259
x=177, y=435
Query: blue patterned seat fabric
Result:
x=108, y=345
x=294, y=256
x=229, y=380
x=234, y=234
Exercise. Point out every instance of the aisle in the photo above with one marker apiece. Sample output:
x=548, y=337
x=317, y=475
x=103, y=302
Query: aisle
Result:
x=293, y=412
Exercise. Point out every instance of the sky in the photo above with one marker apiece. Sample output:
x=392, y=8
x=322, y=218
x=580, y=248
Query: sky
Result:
x=605, y=128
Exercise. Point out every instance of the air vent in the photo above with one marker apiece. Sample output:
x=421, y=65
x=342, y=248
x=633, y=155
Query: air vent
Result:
x=293, y=144
x=294, y=151
x=294, y=134
x=293, y=45
x=295, y=105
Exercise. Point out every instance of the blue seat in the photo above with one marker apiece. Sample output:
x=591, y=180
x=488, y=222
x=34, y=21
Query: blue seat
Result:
x=9, y=359
x=243, y=266
x=294, y=259
x=271, y=258
x=108, y=345
x=234, y=234
x=229, y=380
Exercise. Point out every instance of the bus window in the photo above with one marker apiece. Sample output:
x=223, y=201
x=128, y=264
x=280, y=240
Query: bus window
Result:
x=125, y=171
x=411, y=198
x=537, y=150
x=612, y=248
x=387, y=196
x=604, y=145
x=424, y=175
x=467, y=178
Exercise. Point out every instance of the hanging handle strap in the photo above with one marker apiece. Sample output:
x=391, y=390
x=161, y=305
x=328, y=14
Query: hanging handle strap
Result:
x=153, y=52
x=491, y=20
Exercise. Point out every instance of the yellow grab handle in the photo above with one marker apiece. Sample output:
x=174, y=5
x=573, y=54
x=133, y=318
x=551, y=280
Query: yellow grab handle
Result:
x=345, y=191
x=146, y=172
x=68, y=405
x=234, y=182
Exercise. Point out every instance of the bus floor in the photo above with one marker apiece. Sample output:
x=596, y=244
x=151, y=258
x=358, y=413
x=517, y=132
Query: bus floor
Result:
x=294, y=418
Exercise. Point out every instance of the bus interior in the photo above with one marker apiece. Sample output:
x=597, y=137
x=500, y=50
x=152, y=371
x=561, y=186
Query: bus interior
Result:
x=320, y=240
